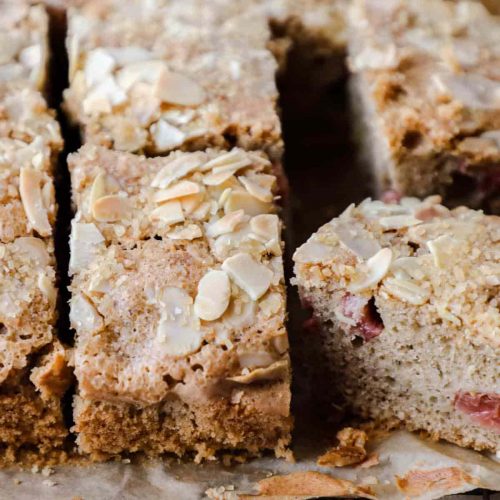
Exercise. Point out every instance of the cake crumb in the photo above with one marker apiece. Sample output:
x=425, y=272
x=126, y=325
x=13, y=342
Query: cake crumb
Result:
x=350, y=450
x=48, y=482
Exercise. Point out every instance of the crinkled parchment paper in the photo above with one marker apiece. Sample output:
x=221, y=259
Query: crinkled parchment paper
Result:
x=454, y=470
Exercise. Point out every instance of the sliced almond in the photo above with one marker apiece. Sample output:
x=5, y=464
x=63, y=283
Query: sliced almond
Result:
x=83, y=316
x=110, y=208
x=236, y=158
x=31, y=196
x=442, y=249
x=255, y=359
x=374, y=271
x=398, y=221
x=267, y=226
x=98, y=66
x=190, y=232
x=259, y=186
x=166, y=136
x=140, y=71
x=178, y=339
x=406, y=290
x=241, y=200
x=179, y=190
x=277, y=370
x=271, y=304
x=35, y=248
x=226, y=224
x=85, y=243
x=46, y=286
x=175, y=88
x=190, y=203
x=214, y=292
x=252, y=276
x=169, y=213
x=218, y=178
x=98, y=189
x=176, y=169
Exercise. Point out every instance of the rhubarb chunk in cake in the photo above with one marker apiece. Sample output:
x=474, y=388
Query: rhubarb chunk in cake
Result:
x=407, y=298
x=178, y=304
x=427, y=89
x=156, y=76
x=23, y=43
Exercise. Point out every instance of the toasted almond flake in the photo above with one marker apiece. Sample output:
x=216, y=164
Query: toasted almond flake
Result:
x=252, y=276
x=406, y=290
x=216, y=179
x=241, y=200
x=98, y=66
x=236, y=157
x=83, y=316
x=169, y=213
x=98, y=189
x=214, y=292
x=175, y=88
x=110, y=208
x=190, y=232
x=178, y=339
x=398, y=221
x=176, y=169
x=255, y=359
x=259, y=185
x=277, y=370
x=357, y=239
x=313, y=252
x=166, y=136
x=103, y=97
x=266, y=226
x=85, y=243
x=375, y=269
x=441, y=249
x=280, y=343
x=31, y=196
x=179, y=190
x=226, y=224
x=35, y=248
x=190, y=203
x=271, y=304
x=140, y=71
x=47, y=287
x=201, y=212
x=408, y=267
x=48, y=196
x=376, y=208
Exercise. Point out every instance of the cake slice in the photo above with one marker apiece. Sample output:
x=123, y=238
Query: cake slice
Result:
x=33, y=364
x=157, y=76
x=178, y=304
x=23, y=43
x=426, y=91
x=406, y=296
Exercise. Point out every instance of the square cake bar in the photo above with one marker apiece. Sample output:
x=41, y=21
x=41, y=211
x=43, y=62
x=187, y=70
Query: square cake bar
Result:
x=407, y=299
x=427, y=93
x=33, y=367
x=156, y=76
x=178, y=303
x=23, y=43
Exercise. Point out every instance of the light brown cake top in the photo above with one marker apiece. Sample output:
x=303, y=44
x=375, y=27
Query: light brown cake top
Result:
x=24, y=115
x=432, y=67
x=153, y=76
x=27, y=201
x=27, y=301
x=23, y=42
x=415, y=257
x=177, y=274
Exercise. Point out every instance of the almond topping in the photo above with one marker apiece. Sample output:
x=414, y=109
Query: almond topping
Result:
x=252, y=276
x=266, y=226
x=98, y=189
x=190, y=203
x=275, y=371
x=35, y=248
x=375, y=269
x=234, y=159
x=166, y=136
x=176, y=169
x=83, y=316
x=398, y=221
x=179, y=190
x=214, y=292
x=178, y=89
x=406, y=290
x=170, y=213
x=31, y=196
x=259, y=186
x=226, y=224
x=442, y=249
x=110, y=208
x=241, y=200
x=47, y=287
